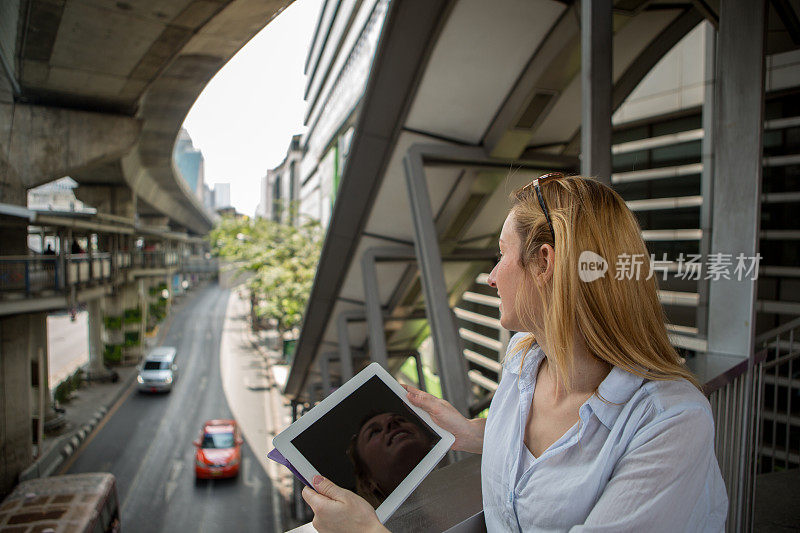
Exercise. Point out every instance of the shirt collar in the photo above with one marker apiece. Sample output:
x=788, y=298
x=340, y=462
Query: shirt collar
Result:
x=612, y=395
x=524, y=369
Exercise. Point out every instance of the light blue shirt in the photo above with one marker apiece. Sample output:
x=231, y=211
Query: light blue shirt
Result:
x=643, y=460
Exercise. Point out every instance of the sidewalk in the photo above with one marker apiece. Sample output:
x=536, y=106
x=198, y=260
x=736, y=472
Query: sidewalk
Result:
x=251, y=370
x=86, y=409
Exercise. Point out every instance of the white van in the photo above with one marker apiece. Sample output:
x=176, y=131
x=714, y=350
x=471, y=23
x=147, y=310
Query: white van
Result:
x=158, y=371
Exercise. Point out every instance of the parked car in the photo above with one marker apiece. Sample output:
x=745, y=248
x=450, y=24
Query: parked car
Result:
x=219, y=450
x=159, y=371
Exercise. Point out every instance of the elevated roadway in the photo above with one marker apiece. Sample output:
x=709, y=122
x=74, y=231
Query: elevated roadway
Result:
x=99, y=90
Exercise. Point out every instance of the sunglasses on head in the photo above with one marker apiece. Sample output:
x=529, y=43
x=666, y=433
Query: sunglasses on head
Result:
x=536, y=185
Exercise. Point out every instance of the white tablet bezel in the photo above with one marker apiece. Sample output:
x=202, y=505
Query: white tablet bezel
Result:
x=283, y=441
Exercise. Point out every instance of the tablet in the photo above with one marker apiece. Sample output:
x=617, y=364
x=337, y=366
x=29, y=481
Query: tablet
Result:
x=367, y=438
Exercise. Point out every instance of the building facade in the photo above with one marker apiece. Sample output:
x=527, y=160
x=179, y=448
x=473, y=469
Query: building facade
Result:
x=190, y=163
x=280, y=197
x=337, y=69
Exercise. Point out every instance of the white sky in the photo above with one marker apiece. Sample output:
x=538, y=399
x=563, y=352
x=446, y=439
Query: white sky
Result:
x=246, y=116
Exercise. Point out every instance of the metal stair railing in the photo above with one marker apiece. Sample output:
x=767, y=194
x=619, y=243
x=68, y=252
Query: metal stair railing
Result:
x=746, y=413
x=780, y=428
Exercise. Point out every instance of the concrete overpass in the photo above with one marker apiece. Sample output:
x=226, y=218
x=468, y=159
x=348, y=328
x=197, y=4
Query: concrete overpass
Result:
x=98, y=91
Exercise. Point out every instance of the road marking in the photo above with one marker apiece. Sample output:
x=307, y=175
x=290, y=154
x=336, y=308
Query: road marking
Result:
x=172, y=483
x=252, y=482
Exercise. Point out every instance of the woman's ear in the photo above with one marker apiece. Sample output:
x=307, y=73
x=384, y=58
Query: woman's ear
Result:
x=546, y=263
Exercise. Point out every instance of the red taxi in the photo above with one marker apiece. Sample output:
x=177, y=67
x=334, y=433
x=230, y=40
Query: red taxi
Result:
x=219, y=450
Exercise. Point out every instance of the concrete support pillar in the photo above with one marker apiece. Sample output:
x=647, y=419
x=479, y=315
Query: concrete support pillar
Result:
x=15, y=407
x=96, y=368
x=155, y=221
x=739, y=111
x=23, y=347
x=117, y=200
x=452, y=366
x=143, y=302
x=35, y=147
x=596, y=88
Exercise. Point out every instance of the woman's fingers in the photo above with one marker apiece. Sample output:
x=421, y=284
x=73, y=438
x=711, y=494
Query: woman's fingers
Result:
x=313, y=499
x=328, y=488
x=339, y=510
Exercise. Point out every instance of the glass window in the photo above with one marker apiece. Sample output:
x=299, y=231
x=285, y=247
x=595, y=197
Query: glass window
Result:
x=218, y=440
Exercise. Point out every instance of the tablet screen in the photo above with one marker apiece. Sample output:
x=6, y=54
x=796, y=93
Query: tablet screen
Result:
x=368, y=443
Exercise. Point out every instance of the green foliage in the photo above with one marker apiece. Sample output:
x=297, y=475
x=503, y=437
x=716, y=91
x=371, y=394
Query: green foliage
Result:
x=62, y=392
x=157, y=290
x=131, y=339
x=113, y=353
x=65, y=388
x=158, y=310
x=112, y=322
x=76, y=379
x=284, y=261
x=133, y=315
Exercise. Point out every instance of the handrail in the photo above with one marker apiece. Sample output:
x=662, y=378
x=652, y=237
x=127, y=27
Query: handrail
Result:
x=780, y=330
x=29, y=258
x=714, y=384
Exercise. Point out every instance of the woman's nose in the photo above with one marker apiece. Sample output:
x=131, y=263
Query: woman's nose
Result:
x=491, y=280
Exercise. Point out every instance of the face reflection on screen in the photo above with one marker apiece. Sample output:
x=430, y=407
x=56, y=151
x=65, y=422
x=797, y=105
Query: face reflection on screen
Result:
x=385, y=450
x=367, y=443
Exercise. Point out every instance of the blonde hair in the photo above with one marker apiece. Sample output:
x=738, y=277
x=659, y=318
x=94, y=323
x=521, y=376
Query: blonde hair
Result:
x=621, y=320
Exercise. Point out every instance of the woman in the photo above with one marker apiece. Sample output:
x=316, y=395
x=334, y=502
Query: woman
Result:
x=385, y=450
x=596, y=424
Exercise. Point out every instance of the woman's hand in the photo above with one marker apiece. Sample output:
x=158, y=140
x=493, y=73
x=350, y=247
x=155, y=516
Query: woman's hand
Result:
x=337, y=509
x=468, y=433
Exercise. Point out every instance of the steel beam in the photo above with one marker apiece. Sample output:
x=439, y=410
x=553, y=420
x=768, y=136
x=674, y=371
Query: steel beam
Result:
x=444, y=329
x=325, y=371
x=420, y=372
x=707, y=176
x=596, y=89
x=739, y=112
x=345, y=352
x=374, y=314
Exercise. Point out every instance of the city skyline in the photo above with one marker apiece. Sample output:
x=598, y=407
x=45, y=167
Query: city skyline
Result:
x=244, y=120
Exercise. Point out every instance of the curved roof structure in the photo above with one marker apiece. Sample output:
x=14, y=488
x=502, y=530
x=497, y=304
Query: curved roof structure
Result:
x=487, y=94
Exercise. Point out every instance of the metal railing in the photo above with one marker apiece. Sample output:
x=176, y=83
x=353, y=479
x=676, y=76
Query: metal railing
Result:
x=155, y=259
x=199, y=265
x=25, y=274
x=757, y=421
x=86, y=268
x=779, y=448
x=736, y=410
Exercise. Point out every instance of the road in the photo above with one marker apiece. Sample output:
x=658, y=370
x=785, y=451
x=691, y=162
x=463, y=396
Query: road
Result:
x=147, y=442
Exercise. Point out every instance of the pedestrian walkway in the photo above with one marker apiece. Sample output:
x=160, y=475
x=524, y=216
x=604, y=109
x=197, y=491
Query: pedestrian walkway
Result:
x=248, y=363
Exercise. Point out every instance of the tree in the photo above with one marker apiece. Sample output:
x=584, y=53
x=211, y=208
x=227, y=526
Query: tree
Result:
x=283, y=259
